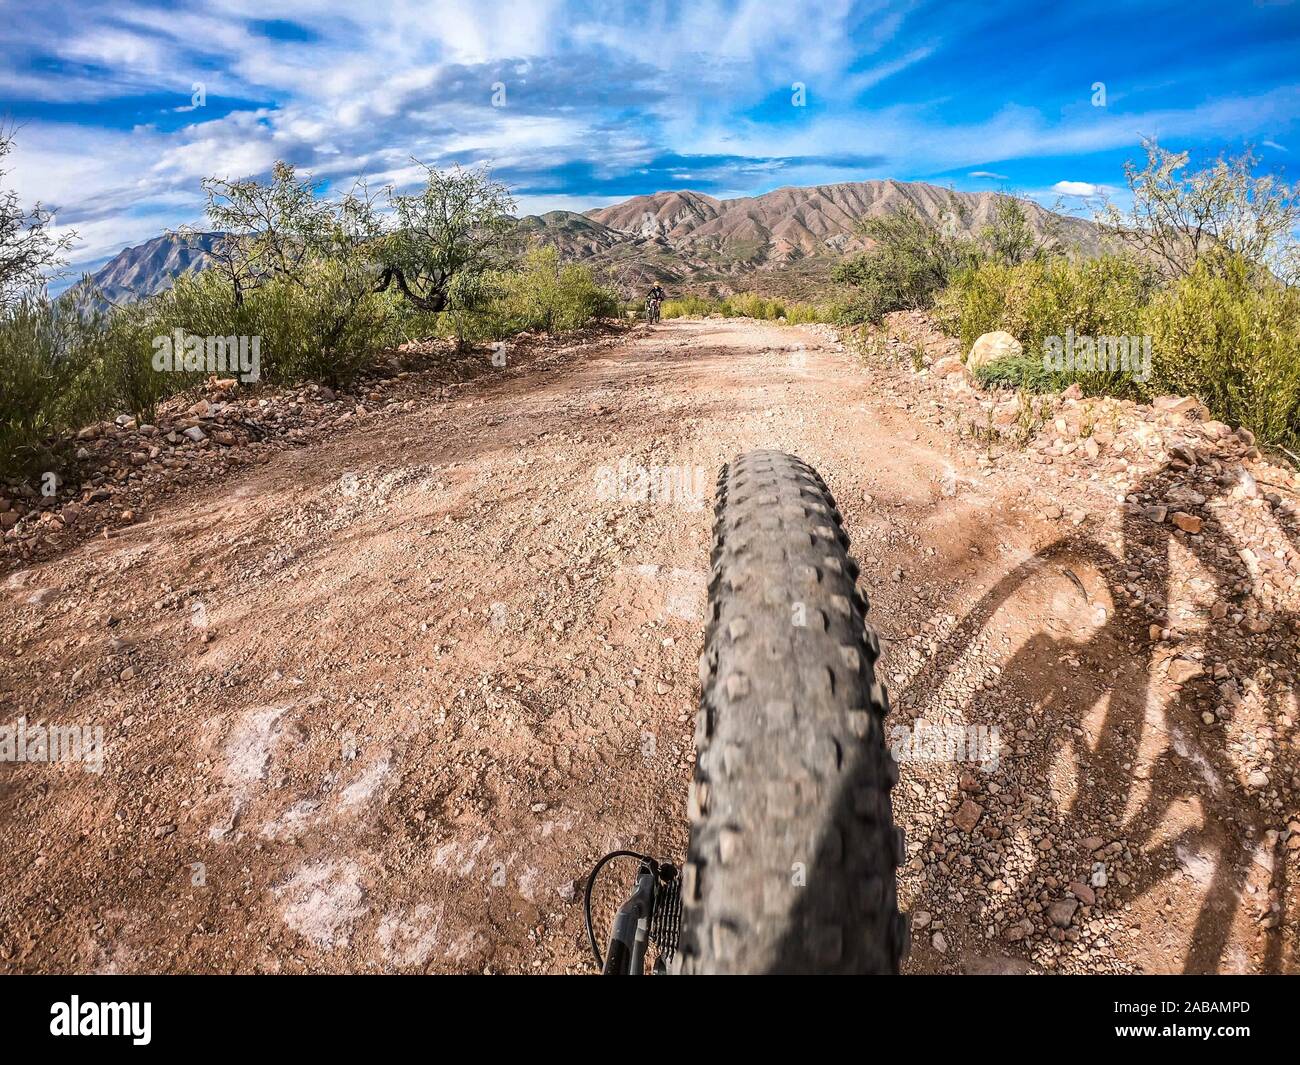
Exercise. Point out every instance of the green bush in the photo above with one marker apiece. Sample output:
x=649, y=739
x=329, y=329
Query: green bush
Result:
x=912, y=260
x=1025, y=372
x=1231, y=336
x=690, y=307
x=545, y=294
x=752, y=305
x=805, y=313
x=131, y=381
x=1045, y=297
x=1042, y=298
x=323, y=325
x=747, y=305
x=1228, y=334
x=326, y=330
x=49, y=358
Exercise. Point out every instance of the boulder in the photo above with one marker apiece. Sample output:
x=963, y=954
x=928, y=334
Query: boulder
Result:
x=993, y=347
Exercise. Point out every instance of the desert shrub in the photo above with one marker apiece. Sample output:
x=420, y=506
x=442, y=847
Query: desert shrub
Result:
x=1008, y=238
x=548, y=294
x=49, y=380
x=323, y=323
x=1045, y=297
x=198, y=305
x=984, y=298
x=914, y=258
x=752, y=305
x=1231, y=336
x=748, y=305
x=130, y=340
x=542, y=294
x=326, y=330
x=1056, y=298
x=804, y=313
x=689, y=306
x=1228, y=332
x=1026, y=372
x=911, y=263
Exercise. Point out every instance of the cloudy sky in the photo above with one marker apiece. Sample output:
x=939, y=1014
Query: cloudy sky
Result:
x=122, y=107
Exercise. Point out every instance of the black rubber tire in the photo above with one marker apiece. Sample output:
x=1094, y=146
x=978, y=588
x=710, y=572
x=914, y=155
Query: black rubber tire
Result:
x=793, y=849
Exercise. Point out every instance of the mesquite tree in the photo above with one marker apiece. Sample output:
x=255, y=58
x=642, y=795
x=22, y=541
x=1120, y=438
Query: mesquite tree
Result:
x=455, y=229
x=30, y=251
x=1180, y=218
x=280, y=229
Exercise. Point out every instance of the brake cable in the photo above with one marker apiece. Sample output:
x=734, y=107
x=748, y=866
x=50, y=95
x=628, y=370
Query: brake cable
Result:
x=586, y=896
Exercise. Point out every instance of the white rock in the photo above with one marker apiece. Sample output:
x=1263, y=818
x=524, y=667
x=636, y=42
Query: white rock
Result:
x=993, y=347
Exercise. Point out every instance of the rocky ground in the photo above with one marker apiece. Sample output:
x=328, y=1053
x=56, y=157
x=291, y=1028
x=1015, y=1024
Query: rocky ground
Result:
x=122, y=468
x=382, y=672
x=1146, y=815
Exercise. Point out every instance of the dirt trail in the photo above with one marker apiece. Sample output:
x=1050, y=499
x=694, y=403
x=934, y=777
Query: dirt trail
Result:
x=376, y=705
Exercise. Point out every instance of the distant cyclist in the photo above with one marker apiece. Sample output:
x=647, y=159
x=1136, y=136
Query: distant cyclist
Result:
x=653, y=301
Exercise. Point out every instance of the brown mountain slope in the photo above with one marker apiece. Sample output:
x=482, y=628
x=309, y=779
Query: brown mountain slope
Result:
x=791, y=224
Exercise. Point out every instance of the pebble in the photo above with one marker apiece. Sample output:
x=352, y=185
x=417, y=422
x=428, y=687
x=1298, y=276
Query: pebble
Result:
x=967, y=815
x=1083, y=893
x=1061, y=912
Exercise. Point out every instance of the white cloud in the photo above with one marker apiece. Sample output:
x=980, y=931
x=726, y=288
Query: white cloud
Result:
x=1075, y=188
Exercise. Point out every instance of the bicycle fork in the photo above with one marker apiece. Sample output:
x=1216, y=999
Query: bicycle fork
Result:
x=651, y=914
x=631, y=932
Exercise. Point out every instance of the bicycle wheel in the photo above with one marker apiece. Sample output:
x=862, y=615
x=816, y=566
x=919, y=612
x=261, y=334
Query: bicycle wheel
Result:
x=793, y=849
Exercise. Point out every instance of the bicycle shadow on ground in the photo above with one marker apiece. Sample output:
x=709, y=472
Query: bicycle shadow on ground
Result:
x=1138, y=741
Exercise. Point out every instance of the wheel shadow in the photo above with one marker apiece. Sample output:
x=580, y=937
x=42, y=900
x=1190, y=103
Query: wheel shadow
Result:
x=1134, y=704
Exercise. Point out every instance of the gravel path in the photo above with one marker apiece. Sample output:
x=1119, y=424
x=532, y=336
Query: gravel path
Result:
x=377, y=704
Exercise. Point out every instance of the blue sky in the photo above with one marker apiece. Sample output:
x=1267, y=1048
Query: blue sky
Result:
x=604, y=101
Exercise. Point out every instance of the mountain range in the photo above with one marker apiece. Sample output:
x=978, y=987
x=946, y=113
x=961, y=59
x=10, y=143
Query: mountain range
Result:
x=151, y=267
x=781, y=243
